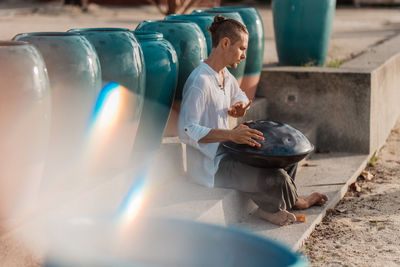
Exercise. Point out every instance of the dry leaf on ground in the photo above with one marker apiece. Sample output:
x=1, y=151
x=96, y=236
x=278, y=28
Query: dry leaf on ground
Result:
x=355, y=187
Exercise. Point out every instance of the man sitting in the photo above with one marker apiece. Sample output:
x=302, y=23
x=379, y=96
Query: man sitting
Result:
x=210, y=95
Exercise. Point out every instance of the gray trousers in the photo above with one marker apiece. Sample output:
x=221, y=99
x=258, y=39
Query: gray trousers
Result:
x=272, y=189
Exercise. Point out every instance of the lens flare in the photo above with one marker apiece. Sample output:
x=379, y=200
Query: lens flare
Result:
x=133, y=201
x=111, y=130
x=112, y=115
x=106, y=111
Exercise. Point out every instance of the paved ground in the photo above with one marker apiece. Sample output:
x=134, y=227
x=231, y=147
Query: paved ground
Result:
x=353, y=29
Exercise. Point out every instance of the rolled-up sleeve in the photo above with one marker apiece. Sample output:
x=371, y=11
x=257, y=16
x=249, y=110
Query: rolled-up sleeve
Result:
x=189, y=129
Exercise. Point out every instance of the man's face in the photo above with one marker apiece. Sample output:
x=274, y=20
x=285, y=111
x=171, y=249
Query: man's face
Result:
x=237, y=50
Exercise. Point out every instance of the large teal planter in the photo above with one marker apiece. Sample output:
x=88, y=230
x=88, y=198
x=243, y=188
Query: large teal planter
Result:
x=161, y=79
x=302, y=30
x=25, y=125
x=162, y=242
x=254, y=24
x=75, y=80
x=121, y=57
x=255, y=51
x=189, y=43
x=237, y=72
x=202, y=21
x=122, y=63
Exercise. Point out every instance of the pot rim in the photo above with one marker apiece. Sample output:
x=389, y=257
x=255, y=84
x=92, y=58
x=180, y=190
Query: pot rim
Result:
x=233, y=7
x=47, y=34
x=13, y=43
x=147, y=34
x=212, y=11
x=168, y=21
x=99, y=29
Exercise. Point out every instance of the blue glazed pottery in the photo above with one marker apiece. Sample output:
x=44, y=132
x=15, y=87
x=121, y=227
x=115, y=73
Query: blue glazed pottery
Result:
x=189, y=43
x=202, y=21
x=120, y=55
x=162, y=242
x=255, y=51
x=191, y=48
x=161, y=79
x=303, y=30
x=25, y=125
x=121, y=100
x=238, y=72
x=75, y=80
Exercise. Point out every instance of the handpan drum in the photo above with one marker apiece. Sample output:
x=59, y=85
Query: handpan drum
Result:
x=282, y=146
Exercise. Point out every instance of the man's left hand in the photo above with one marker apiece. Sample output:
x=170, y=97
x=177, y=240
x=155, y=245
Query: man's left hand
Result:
x=238, y=109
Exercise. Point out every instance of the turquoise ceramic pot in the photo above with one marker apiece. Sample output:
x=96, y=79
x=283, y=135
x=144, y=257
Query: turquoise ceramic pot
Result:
x=189, y=43
x=116, y=116
x=25, y=125
x=238, y=72
x=75, y=79
x=161, y=242
x=303, y=30
x=254, y=24
x=121, y=59
x=161, y=79
x=202, y=21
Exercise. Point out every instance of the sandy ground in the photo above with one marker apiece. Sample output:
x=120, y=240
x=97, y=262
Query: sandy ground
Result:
x=354, y=30
x=364, y=228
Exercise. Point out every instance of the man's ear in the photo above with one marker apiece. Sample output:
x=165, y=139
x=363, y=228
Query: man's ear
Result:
x=225, y=42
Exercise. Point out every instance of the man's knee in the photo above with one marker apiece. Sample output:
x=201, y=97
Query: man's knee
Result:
x=273, y=178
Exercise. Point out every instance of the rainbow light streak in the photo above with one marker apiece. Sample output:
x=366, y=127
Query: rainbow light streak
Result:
x=106, y=112
x=133, y=201
x=105, y=117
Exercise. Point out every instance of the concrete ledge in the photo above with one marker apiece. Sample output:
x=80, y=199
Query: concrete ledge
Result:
x=327, y=173
x=354, y=106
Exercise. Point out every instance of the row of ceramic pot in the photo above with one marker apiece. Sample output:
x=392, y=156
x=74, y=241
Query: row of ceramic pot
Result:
x=75, y=99
x=191, y=39
x=89, y=97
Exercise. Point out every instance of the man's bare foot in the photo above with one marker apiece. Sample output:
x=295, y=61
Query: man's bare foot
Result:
x=313, y=199
x=281, y=217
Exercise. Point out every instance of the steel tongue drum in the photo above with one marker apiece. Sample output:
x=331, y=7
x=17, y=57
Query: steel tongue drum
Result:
x=282, y=146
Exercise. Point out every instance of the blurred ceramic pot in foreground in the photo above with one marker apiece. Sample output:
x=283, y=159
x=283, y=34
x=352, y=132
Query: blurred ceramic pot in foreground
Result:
x=24, y=127
x=283, y=146
x=75, y=80
x=161, y=242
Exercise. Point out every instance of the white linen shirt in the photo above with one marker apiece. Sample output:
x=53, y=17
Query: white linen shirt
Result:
x=204, y=107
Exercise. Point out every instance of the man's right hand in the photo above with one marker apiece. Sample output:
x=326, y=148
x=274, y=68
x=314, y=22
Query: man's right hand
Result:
x=242, y=134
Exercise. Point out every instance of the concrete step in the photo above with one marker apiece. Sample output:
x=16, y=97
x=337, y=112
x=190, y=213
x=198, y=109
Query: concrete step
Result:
x=183, y=199
x=330, y=174
x=326, y=173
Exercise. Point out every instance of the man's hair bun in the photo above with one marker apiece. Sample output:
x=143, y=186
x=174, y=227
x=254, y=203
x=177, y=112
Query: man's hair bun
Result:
x=225, y=27
x=218, y=19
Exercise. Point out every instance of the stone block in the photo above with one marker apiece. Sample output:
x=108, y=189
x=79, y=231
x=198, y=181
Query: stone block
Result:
x=353, y=107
